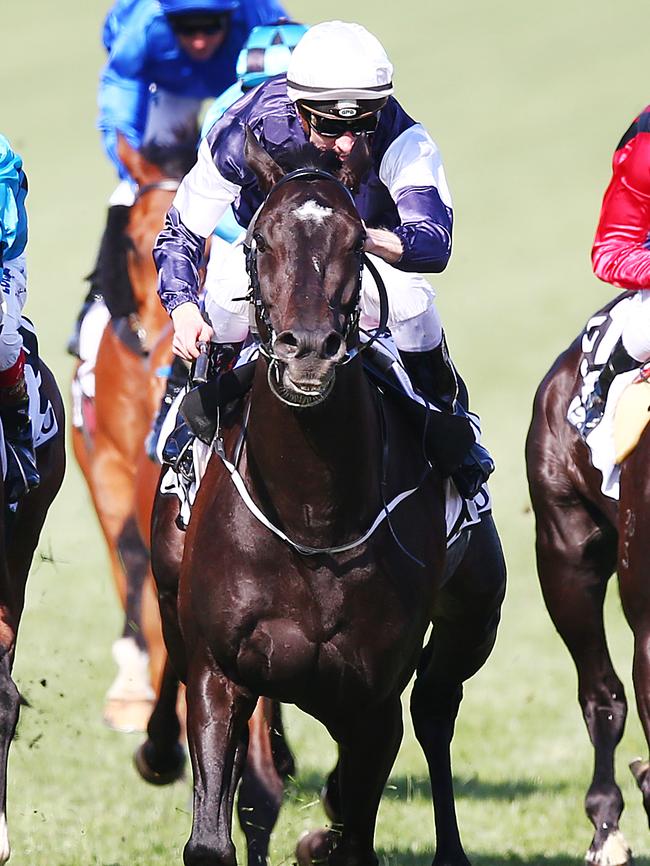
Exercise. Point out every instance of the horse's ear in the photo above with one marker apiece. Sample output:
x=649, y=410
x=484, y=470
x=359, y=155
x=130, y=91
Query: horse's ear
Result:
x=266, y=169
x=357, y=164
x=140, y=169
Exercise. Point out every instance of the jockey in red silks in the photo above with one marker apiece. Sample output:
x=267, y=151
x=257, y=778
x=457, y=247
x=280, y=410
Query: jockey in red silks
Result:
x=22, y=474
x=621, y=253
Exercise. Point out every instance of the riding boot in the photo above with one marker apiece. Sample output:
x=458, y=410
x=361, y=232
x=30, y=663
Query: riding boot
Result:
x=22, y=471
x=618, y=362
x=177, y=450
x=434, y=377
x=109, y=278
x=176, y=381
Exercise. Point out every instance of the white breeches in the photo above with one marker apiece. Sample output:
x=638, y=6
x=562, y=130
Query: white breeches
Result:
x=636, y=330
x=413, y=318
x=14, y=295
x=170, y=119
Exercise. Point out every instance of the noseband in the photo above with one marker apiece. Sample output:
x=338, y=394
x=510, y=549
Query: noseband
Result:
x=260, y=320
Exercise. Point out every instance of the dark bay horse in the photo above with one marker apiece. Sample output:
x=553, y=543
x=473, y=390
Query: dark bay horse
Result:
x=19, y=534
x=110, y=455
x=334, y=619
x=583, y=537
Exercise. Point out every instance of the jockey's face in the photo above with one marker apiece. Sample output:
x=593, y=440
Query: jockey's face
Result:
x=200, y=35
x=201, y=46
x=341, y=145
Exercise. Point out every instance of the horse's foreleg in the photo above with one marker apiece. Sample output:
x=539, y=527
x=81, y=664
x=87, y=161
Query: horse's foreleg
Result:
x=9, y=709
x=160, y=760
x=634, y=529
x=217, y=716
x=575, y=558
x=464, y=630
x=368, y=745
x=261, y=789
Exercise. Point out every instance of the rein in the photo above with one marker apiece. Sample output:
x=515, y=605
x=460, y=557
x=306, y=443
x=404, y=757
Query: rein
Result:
x=261, y=326
x=167, y=183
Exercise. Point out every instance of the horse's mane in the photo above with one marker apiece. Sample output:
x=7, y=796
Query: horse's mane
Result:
x=174, y=160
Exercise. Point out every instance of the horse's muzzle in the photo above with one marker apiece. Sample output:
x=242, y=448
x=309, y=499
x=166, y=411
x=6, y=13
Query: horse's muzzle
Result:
x=307, y=364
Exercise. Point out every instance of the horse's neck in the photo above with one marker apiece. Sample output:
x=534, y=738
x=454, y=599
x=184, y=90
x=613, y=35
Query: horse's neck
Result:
x=317, y=468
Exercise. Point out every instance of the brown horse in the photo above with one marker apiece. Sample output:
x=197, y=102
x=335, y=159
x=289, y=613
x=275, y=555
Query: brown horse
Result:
x=584, y=536
x=19, y=534
x=333, y=619
x=110, y=455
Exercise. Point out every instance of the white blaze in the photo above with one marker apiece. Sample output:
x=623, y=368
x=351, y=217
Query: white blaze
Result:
x=311, y=210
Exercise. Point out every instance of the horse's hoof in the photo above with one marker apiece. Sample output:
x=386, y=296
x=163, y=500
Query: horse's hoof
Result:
x=172, y=773
x=613, y=852
x=314, y=849
x=639, y=769
x=127, y=716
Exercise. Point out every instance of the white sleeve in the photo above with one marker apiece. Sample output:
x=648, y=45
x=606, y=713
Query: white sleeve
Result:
x=413, y=161
x=204, y=194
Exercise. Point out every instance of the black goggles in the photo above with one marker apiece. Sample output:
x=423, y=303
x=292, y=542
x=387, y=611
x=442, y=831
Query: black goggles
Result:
x=333, y=127
x=206, y=25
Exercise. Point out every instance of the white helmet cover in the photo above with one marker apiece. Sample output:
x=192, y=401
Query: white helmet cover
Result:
x=339, y=60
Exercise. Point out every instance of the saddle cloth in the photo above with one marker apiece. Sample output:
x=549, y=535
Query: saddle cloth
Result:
x=460, y=513
x=599, y=337
x=41, y=411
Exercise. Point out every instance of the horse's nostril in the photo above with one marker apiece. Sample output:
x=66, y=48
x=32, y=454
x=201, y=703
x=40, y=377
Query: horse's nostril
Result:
x=286, y=344
x=332, y=345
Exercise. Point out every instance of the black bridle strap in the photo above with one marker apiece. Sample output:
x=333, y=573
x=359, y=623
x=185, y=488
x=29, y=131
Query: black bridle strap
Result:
x=167, y=183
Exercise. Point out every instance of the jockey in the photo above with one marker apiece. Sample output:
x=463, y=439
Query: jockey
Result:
x=338, y=85
x=621, y=254
x=164, y=58
x=22, y=473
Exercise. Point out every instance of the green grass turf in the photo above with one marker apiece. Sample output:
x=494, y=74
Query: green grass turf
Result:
x=526, y=101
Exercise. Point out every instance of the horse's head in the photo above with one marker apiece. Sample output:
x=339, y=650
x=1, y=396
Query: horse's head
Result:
x=305, y=261
x=158, y=171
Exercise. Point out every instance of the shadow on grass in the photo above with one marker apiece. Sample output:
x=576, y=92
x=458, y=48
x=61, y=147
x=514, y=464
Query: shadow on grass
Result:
x=397, y=857
x=409, y=788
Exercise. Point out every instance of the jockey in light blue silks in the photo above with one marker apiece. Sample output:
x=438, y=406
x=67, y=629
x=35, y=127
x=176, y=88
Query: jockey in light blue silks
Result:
x=267, y=53
x=164, y=58
x=22, y=474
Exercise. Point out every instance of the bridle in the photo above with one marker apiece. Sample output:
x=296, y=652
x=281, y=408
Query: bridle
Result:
x=260, y=321
x=170, y=184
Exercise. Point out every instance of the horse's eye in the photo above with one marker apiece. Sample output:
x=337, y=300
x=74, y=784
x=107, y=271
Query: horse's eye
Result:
x=260, y=242
x=358, y=247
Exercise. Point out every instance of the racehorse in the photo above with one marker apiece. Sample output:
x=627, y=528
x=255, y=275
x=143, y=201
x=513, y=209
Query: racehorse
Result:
x=582, y=537
x=319, y=611
x=109, y=455
x=19, y=534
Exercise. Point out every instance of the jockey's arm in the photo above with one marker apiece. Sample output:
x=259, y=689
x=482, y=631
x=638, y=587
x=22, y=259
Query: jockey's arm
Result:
x=412, y=171
x=123, y=96
x=620, y=254
x=13, y=216
x=201, y=200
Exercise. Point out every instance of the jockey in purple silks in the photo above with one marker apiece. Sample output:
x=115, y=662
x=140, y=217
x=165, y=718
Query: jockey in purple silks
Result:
x=338, y=85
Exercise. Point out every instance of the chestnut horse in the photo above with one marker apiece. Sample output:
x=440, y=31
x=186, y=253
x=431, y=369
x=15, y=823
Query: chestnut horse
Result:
x=19, y=534
x=319, y=611
x=110, y=455
x=582, y=537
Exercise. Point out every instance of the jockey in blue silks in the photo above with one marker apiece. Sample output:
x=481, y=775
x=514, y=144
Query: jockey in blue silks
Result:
x=164, y=58
x=22, y=474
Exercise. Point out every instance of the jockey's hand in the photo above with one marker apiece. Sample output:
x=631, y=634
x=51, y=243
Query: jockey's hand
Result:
x=189, y=328
x=385, y=244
